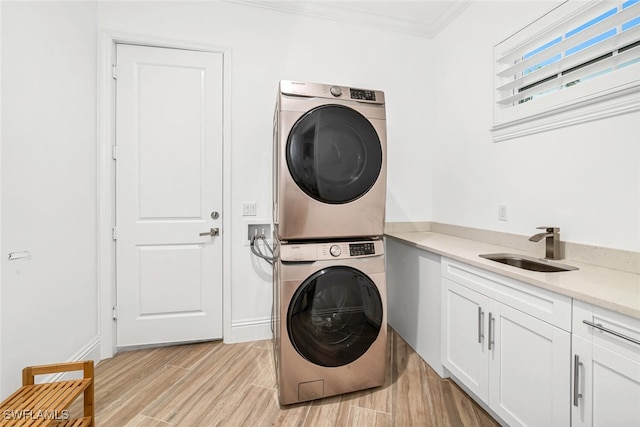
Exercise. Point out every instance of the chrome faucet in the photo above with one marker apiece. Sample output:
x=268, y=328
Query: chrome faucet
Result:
x=552, y=234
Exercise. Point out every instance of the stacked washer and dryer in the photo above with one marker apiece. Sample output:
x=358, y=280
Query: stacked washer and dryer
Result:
x=329, y=187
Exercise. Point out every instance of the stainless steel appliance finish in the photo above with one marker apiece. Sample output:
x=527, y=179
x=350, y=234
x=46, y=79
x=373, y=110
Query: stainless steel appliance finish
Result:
x=552, y=242
x=329, y=162
x=529, y=263
x=330, y=321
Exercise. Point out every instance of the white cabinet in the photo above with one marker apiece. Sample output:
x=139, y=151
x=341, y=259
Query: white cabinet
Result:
x=606, y=368
x=413, y=298
x=508, y=343
x=529, y=369
x=464, y=349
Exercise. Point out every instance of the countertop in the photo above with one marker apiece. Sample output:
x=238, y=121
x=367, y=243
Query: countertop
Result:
x=613, y=289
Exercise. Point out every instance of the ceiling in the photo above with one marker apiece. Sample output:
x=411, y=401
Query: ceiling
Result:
x=424, y=18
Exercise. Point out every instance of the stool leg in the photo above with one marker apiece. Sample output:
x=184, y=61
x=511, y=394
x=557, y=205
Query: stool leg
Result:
x=88, y=393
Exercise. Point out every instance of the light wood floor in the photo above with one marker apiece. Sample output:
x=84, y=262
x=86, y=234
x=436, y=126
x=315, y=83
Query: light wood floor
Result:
x=211, y=384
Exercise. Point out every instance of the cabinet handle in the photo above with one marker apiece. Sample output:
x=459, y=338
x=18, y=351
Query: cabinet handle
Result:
x=576, y=379
x=611, y=331
x=480, y=325
x=491, y=321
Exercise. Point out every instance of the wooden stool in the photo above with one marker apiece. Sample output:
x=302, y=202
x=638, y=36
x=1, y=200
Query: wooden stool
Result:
x=47, y=403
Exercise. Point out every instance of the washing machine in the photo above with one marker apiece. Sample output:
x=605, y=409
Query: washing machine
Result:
x=329, y=162
x=329, y=318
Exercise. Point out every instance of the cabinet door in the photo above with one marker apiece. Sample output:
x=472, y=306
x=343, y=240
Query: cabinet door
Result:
x=608, y=387
x=529, y=369
x=464, y=350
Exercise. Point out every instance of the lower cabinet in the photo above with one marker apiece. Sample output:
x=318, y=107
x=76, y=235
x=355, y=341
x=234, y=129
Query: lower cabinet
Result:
x=606, y=368
x=500, y=341
x=531, y=356
x=464, y=343
x=529, y=371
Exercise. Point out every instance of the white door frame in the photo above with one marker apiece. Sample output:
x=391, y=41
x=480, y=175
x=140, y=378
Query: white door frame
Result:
x=106, y=261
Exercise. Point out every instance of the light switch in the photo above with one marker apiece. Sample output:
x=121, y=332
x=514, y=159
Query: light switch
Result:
x=248, y=208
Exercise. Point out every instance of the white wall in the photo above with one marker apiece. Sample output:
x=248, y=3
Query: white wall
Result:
x=1, y=251
x=584, y=179
x=48, y=308
x=266, y=47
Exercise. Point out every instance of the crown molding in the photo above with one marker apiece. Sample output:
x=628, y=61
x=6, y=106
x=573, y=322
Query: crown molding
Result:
x=396, y=15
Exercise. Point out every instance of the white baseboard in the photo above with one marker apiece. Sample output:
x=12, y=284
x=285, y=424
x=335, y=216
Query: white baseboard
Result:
x=91, y=351
x=249, y=330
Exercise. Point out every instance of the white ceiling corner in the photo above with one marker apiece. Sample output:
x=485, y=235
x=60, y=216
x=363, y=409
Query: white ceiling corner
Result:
x=424, y=18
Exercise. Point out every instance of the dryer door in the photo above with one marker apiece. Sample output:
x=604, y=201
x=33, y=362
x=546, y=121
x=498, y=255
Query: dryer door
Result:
x=334, y=154
x=334, y=316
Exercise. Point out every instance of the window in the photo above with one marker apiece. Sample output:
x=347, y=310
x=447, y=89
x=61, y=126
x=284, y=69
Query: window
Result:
x=579, y=62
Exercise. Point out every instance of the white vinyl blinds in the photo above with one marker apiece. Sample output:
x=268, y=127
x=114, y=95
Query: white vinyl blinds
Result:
x=576, y=52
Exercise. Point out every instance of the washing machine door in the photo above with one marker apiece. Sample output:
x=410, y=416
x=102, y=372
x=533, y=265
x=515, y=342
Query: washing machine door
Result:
x=334, y=154
x=334, y=316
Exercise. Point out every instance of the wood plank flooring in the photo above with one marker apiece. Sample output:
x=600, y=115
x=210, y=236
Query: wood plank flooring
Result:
x=216, y=384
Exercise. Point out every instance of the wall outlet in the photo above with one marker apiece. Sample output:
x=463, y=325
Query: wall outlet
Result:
x=503, y=213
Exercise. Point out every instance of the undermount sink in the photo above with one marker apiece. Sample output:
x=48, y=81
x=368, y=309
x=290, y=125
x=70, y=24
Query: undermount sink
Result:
x=529, y=263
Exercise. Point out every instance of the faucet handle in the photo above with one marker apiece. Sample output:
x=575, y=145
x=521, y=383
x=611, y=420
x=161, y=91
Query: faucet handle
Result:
x=549, y=229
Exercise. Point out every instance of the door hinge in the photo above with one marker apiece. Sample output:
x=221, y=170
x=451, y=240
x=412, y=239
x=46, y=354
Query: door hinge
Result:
x=114, y=152
x=115, y=312
x=113, y=72
x=113, y=233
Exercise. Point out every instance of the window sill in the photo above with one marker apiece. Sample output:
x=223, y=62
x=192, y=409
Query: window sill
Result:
x=614, y=103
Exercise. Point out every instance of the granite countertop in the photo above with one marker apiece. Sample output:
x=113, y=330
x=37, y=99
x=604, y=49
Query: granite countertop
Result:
x=605, y=287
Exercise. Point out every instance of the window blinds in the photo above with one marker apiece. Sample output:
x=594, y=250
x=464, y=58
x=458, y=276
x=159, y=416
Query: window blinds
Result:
x=596, y=39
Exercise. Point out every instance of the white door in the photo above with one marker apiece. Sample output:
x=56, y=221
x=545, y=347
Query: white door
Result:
x=168, y=191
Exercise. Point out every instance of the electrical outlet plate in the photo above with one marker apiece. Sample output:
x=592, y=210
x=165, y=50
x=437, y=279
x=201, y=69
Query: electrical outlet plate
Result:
x=503, y=213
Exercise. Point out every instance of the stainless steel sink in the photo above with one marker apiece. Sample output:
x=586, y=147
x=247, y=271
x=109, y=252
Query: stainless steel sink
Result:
x=529, y=263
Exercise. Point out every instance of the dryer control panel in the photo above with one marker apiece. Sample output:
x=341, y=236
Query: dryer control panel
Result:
x=320, y=90
x=330, y=250
x=367, y=95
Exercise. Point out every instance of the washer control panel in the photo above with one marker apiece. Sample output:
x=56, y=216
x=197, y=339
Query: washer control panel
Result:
x=359, y=249
x=335, y=250
x=331, y=250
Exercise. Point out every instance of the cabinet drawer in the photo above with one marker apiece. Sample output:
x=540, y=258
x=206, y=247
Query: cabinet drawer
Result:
x=537, y=302
x=627, y=328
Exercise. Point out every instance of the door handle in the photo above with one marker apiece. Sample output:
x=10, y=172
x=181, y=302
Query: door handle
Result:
x=480, y=325
x=492, y=325
x=212, y=232
x=611, y=331
x=576, y=375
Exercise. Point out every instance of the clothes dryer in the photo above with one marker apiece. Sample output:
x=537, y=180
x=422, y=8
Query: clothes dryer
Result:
x=329, y=162
x=329, y=319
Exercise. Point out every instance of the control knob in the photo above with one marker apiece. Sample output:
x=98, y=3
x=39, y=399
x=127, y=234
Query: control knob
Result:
x=336, y=91
x=335, y=250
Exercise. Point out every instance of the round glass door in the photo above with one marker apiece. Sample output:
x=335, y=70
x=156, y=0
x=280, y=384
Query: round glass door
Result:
x=334, y=316
x=334, y=154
